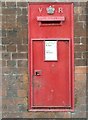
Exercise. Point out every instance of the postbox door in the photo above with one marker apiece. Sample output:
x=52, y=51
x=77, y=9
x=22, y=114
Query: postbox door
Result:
x=51, y=82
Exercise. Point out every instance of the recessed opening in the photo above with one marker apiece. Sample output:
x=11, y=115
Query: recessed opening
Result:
x=57, y=107
x=51, y=22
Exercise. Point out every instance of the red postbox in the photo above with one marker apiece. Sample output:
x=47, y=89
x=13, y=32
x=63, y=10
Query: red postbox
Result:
x=51, y=57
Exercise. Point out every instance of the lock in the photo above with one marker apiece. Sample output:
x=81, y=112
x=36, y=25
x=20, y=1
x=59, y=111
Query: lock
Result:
x=37, y=72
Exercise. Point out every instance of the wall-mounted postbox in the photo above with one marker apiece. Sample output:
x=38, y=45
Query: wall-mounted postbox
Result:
x=51, y=57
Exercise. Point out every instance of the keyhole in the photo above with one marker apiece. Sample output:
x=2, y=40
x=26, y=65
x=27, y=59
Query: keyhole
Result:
x=37, y=73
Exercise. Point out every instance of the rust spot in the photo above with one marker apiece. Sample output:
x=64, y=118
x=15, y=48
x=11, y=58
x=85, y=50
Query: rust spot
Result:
x=37, y=84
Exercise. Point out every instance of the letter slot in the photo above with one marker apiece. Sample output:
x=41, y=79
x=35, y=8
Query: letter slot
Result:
x=57, y=20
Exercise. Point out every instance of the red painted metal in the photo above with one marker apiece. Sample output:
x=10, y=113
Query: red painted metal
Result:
x=51, y=82
x=49, y=18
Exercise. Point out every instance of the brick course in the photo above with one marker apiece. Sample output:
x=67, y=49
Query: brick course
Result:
x=15, y=62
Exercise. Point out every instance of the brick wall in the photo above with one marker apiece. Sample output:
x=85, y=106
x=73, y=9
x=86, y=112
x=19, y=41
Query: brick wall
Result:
x=80, y=34
x=15, y=62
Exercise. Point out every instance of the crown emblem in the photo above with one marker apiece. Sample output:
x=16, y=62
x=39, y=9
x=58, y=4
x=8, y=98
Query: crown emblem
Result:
x=50, y=10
